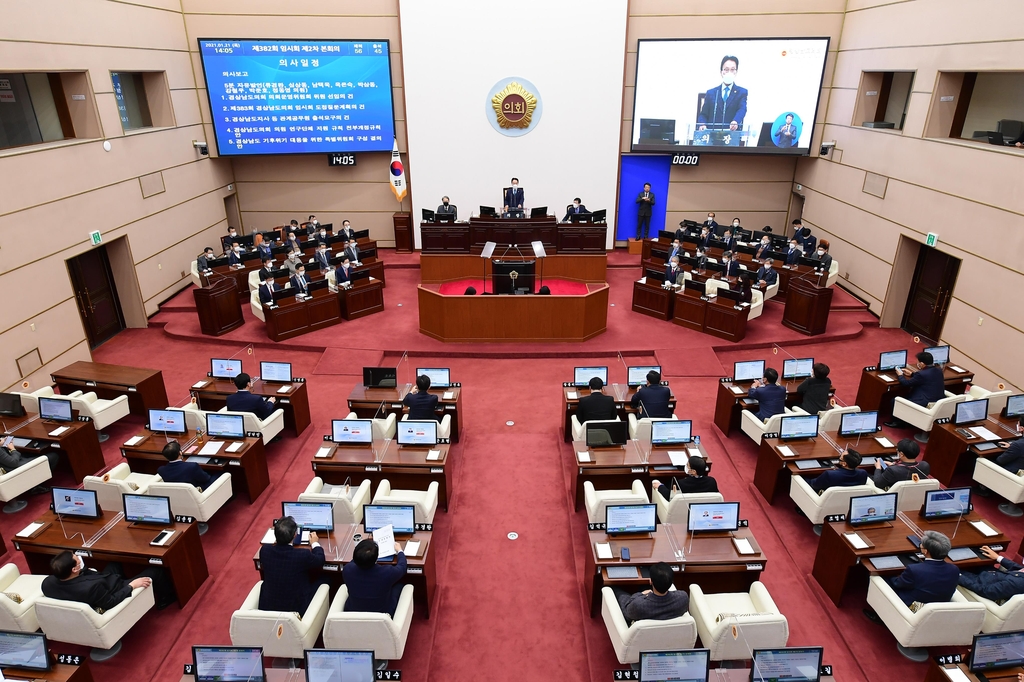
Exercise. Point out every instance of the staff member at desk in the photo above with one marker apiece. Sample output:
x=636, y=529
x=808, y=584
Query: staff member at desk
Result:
x=286, y=581
x=577, y=208
x=822, y=255
x=293, y=261
x=660, y=602
x=203, y=262
x=352, y=251
x=770, y=397
x=846, y=473
x=1005, y=581
x=421, y=404
x=763, y=248
x=346, y=232
x=766, y=276
x=343, y=273
x=514, y=196
x=926, y=385
x=746, y=293
x=794, y=253
x=72, y=581
x=596, y=406
x=267, y=289
x=731, y=263
x=268, y=267
x=373, y=587
x=11, y=459
x=1013, y=459
x=695, y=481
x=292, y=243
x=730, y=241
x=299, y=281
x=672, y=271
x=177, y=470
x=322, y=257
x=244, y=401
x=905, y=468
x=653, y=399
x=235, y=255
x=229, y=239
x=447, y=209
x=710, y=222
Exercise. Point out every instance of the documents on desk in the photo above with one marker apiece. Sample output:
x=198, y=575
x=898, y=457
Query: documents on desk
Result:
x=743, y=546
x=285, y=389
x=983, y=433
x=955, y=674
x=200, y=384
x=198, y=459
x=323, y=452
x=28, y=530
x=679, y=457
x=958, y=370
x=412, y=548
x=886, y=378
x=736, y=389
x=212, y=447
x=571, y=395
x=433, y=455
x=59, y=430
x=448, y=395
x=856, y=540
x=584, y=456
x=786, y=451
x=234, y=447
x=884, y=442
x=385, y=539
x=134, y=440
x=984, y=528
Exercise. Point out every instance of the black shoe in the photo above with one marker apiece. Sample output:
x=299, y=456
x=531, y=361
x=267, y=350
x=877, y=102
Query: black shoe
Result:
x=161, y=605
x=276, y=438
x=870, y=614
x=894, y=425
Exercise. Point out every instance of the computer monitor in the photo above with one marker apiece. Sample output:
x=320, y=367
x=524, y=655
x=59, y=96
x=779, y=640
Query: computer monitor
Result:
x=333, y=665
x=25, y=650
x=488, y=211
x=581, y=376
x=440, y=377
x=1015, y=405
x=858, y=423
x=970, y=411
x=630, y=518
x=688, y=665
x=167, y=421
x=599, y=216
x=637, y=376
x=55, y=409
x=800, y=426
x=154, y=509
x=606, y=434
x=228, y=664
x=940, y=354
x=10, y=405
x=891, y=359
x=417, y=432
x=671, y=431
x=792, y=664
x=352, y=431
x=654, y=275
x=225, y=425
x=539, y=212
x=713, y=516
x=402, y=517
x=748, y=370
x=315, y=516
x=380, y=377
x=948, y=502
x=799, y=368
x=223, y=368
x=997, y=651
x=428, y=215
x=871, y=509
x=277, y=371
x=75, y=502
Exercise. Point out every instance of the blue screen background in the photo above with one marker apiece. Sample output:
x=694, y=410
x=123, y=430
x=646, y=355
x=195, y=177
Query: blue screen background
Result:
x=327, y=96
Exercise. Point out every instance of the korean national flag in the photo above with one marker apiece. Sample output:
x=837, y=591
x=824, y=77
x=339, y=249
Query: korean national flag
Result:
x=397, y=173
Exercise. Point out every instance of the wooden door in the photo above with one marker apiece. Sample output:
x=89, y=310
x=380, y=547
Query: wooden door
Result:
x=930, y=293
x=96, y=295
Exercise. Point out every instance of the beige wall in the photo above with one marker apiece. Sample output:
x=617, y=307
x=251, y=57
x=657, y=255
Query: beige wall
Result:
x=968, y=193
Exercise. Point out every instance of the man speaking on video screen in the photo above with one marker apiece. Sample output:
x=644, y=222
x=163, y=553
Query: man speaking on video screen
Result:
x=725, y=105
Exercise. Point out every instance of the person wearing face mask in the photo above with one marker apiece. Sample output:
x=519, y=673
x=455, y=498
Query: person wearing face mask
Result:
x=263, y=250
x=677, y=249
x=710, y=222
x=447, y=208
x=725, y=105
x=644, y=201
x=704, y=240
x=766, y=276
x=292, y=242
x=672, y=270
x=794, y=253
x=322, y=257
x=822, y=255
x=299, y=280
x=294, y=261
x=346, y=232
x=701, y=258
x=203, y=262
x=352, y=251
x=268, y=268
x=267, y=289
x=321, y=235
x=235, y=255
x=343, y=273
x=763, y=248
x=926, y=385
x=732, y=266
x=1013, y=458
x=70, y=580
x=227, y=241
x=730, y=241
x=514, y=197
x=313, y=222
x=576, y=208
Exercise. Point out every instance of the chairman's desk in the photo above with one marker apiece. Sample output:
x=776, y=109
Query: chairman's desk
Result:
x=709, y=560
x=247, y=466
x=80, y=442
x=836, y=557
x=292, y=317
x=945, y=445
x=472, y=236
x=621, y=392
x=729, y=403
x=338, y=549
x=404, y=466
x=578, y=267
x=182, y=556
x=369, y=402
x=212, y=394
x=144, y=387
x=58, y=672
x=875, y=393
x=617, y=467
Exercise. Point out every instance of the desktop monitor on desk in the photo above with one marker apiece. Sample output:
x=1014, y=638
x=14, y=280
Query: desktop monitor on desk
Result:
x=940, y=354
x=225, y=368
x=630, y=518
x=10, y=405
x=637, y=376
x=25, y=650
x=799, y=426
x=151, y=509
x=417, y=433
x=401, y=517
x=539, y=212
x=380, y=377
x=750, y=370
x=892, y=359
x=858, y=423
x=1015, y=405
x=74, y=502
x=168, y=421
x=671, y=431
x=713, y=516
x=428, y=215
x=334, y=665
x=55, y=409
x=689, y=665
x=996, y=651
x=314, y=516
x=949, y=502
x=655, y=275
x=970, y=411
x=280, y=372
x=228, y=664
x=792, y=664
x=225, y=425
x=352, y=431
x=798, y=368
x=599, y=216
x=440, y=377
x=871, y=509
x=581, y=376
x=610, y=434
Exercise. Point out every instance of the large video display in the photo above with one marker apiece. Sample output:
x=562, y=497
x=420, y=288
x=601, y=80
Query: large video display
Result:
x=299, y=96
x=749, y=95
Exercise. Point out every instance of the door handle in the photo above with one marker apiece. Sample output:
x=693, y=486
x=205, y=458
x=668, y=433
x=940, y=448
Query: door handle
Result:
x=88, y=301
x=938, y=300
x=945, y=302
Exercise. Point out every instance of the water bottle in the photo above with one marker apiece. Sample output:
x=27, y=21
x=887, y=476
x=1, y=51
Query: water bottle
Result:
x=696, y=439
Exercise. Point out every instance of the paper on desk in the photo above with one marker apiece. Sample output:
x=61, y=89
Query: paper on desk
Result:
x=693, y=452
x=268, y=537
x=385, y=539
x=212, y=447
x=959, y=370
x=736, y=389
x=678, y=457
x=285, y=389
x=983, y=433
x=984, y=528
x=234, y=447
x=571, y=395
x=433, y=455
x=134, y=440
x=604, y=550
x=412, y=548
x=583, y=456
x=886, y=377
x=28, y=530
x=323, y=452
x=743, y=545
x=199, y=384
x=855, y=540
x=786, y=451
x=955, y=674
x=448, y=395
x=884, y=442
x=59, y=430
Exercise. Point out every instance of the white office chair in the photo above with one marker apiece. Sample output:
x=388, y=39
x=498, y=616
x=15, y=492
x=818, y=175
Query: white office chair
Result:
x=755, y=428
x=19, y=616
x=834, y=500
x=186, y=500
x=268, y=428
x=677, y=509
x=830, y=420
x=711, y=286
x=996, y=399
x=759, y=623
x=195, y=418
x=598, y=500
x=579, y=431
x=924, y=417
x=756, y=304
x=194, y=272
x=30, y=401
x=282, y=634
x=76, y=622
x=21, y=480
x=1007, y=484
x=952, y=623
x=833, y=273
x=347, y=508
x=102, y=412
x=771, y=291
x=119, y=480
x=910, y=494
x=254, y=281
x=425, y=501
x=644, y=635
x=444, y=428
x=386, y=428
x=640, y=429
x=378, y=632
x=256, y=307
x=1005, y=617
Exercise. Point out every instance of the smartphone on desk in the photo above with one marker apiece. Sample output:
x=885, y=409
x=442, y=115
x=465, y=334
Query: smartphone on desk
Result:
x=624, y=553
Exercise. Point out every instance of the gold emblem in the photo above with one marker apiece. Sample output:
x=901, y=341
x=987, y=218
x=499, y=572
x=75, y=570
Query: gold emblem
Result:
x=514, y=106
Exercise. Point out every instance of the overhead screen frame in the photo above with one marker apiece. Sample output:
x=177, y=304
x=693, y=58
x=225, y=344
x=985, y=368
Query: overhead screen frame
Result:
x=391, y=94
x=722, y=149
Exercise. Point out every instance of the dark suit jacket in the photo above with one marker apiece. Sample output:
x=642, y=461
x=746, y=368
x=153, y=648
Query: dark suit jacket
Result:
x=815, y=392
x=186, y=472
x=793, y=256
x=293, y=245
x=1013, y=458
x=996, y=584
x=651, y=606
x=771, y=400
x=894, y=473
x=702, y=262
x=717, y=111
x=346, y=233
x=644, y=207
x=514, y=197
x=372, y=590
x=267, y=294
x=732, y=269
x=762, y=250
x=670, y=274
x=573, y=209
x=839, y=477
x=234, y=258
x=705, y=241
x=654, y=400
x=263, y=274
x=298, y=286
x=286, y=581
x=421, y=405
x=711, y=225
x=227, y=239
x=769, y=276
x=926, y=385
x=596, y=406
x=323, y=259
x=352, y=252
x=202, y=264
x=450, y=209
x=730, y=244
x=809, y=242
x=243, y=401
x=927, y=582
x=826, y=260
x=341, y=275
x=98, y=590
x=688, y=485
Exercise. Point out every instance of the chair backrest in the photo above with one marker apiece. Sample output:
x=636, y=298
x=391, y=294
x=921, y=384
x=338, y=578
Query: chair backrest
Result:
x=194, y=417
x=637, y=495
x=108, y=492
x=30, y=401
x=996, y=399
x=654, y=635
x=910, y=494
x=944, y=408
x=65, y=621
x=756, y=297
x=830, y=419
x=250, y=421
x=677, y=509
x=185, y=497
x=360, y=629
x=643, y=428
x=836, y=500
x=1010, y=616
x=712, y=286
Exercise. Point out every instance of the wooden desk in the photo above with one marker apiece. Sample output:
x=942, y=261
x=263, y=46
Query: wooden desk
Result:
x=729, y=404
x=144, y=387
x=578, y=238
x=292, y=317
x=57, y=673
x=836, y=557
x=875, y=393
x=470, y=237
x=774, y=470
x=369, y=402
x=182, y=557
x=405, y=467
x=945, y=445
x=218, y=306
x=248, y=466
x=653, y=300
x=935, y=673
x=710, y=560
x=438, y=268
x=295, y=404
x=617, y=468
x=375, y=267
x=80, y=443
x=807, y=306
x=717, y=316
x=240, y=275
x=362, y=299
x=621, y=392
x=422, y=573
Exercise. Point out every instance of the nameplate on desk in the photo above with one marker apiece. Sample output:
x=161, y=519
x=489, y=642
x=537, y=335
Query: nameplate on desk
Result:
x=156, y=562
x=371, y=467
x=332, y=567
x=437, y=470
x=744, y=523
x=414, y=570
x=70, y=659
x=637, y=470
x=755, y=567
x=625, y=674
x=179, y=518
x=595, y=526
x=771, y=434
x=190, y=668
x=396, y=406
x=284, y=401
x=825, y=670
x=835, y=518
x=388, y=674
x=423, y=526
x=949, y=659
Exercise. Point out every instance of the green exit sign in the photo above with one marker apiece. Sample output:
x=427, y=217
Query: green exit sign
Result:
x=96, y=238
x=932, y=239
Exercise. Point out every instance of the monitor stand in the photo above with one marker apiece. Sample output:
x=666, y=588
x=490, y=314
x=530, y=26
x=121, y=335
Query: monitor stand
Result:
x=142, y=525
x=870, y=526
x=630, y=536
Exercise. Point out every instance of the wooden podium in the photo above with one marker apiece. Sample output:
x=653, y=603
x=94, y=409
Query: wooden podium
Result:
x=219, y=308
x=807, y=306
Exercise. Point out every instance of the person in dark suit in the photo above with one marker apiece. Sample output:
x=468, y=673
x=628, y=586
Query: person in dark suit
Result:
x=343, y=273
x=70, y=580
x=695, y=481
x=287, y=585
x=730, y=241
x=701, y=258
x=653, y=399
x=746, y=293
x=597, y=405
x=815, y=390
x=932, y=580
x=660, y=602
x=926, y=385
x=676, y=250
x=822, y=255
x=770, y=397
x=803, y=234
x=794, y=253
x=235, y=255
x=576, y=209
x=177, y=470
x=763, y=248
x=352, y=251
x=1005, y=581
x=710, y=222
x=644, y=200
x=846, y=473
x=905, y=468
x=320, y=236
x=322, y=257
x=787, y=134
x=373, y=587
x=313, y=222
x=1013, y=457
x=243, y=400
x=447, y=208
x=672, y=270
x=725, y=106
x=346, y=232
x=268, y=267
x=704, y=240
x=514, y=196
x=292, y=242
x=766, y=276
x=230, y=238
x=11, y=459
x=421, y=404
x=299, y=280
x=267, y=289
x=203, y=262
x=731, y=263
x=263, y=249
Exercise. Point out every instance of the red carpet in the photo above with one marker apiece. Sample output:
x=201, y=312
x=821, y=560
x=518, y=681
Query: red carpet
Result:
x=346, y=361
x=558, y=287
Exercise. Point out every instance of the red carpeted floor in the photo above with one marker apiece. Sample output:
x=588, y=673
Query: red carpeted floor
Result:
x=505, y=609
x=558, y=287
